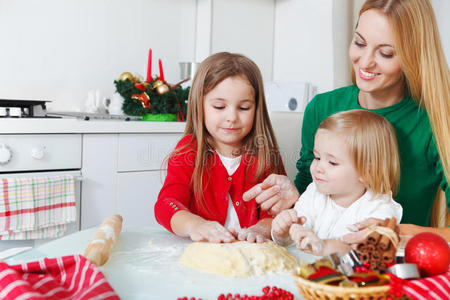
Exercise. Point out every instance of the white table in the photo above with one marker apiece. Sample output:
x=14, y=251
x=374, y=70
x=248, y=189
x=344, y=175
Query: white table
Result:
x=144, y=265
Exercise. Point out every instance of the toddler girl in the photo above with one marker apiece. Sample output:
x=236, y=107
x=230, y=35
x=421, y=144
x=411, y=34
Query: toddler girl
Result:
x=355, y=171
x=227, y=148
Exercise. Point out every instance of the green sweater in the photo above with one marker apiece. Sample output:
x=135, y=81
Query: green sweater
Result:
x=421, y=169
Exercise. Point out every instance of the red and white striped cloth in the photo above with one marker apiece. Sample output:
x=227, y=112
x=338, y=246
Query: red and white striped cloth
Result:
x=36, y=207
x=67, y=277
x=428, y=288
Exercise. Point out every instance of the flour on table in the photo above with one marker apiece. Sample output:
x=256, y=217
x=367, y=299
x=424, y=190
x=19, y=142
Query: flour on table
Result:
x=238, y=259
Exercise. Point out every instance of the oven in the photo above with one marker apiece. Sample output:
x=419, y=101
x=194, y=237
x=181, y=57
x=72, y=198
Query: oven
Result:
x=36, y=155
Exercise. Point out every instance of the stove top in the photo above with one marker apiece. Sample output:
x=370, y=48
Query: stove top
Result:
x=10, y=108
x=90, y=116
x=23, y=108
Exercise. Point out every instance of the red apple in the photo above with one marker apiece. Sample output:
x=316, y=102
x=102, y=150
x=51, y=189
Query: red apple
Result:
x=430, y=252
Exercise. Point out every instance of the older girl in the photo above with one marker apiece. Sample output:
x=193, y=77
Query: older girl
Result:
x=228, y=147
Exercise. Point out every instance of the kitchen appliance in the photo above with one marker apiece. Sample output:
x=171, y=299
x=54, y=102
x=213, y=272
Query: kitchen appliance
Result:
x=37, y=155
x=10, y=108
x=23, y=108
x=286, y=102
x=90, y=116
x=188, y=69
x=187, y=72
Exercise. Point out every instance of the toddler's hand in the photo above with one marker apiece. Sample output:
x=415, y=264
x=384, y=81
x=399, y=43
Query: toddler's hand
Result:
x=306, y=240
x=211, y=231
x=283, y=221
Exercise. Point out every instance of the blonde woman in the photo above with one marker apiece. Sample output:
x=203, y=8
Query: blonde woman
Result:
x=355, y=173
x=228, y=147
x=400, y=73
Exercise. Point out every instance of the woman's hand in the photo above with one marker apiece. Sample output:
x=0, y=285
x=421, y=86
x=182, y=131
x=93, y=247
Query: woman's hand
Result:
x=274, y=194
x=210, y=231
x=259, y=233
x=359, y=231
x=306, y=240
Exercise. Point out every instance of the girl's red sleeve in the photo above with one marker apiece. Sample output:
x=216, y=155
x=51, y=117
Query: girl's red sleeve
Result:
x=176, y=192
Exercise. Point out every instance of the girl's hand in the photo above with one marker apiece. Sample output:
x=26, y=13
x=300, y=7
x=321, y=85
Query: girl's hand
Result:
x=210, y=231
x=259, y=233
x=275, y=193
x=252, y=235
x=306, y=240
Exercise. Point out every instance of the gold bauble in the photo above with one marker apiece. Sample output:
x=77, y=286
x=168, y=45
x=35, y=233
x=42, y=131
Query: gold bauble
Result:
x=126, y=75
x=157, y=83
x=162, y=89
x=138, y=78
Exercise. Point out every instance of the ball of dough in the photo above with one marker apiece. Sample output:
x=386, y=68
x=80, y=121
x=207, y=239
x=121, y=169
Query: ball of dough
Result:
x=238, y=259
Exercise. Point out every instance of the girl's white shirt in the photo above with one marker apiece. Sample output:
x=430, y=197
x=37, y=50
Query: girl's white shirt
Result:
x=329, y=220
x=231, y=164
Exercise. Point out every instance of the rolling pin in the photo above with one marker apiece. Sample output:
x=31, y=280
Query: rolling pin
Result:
x=99, y=249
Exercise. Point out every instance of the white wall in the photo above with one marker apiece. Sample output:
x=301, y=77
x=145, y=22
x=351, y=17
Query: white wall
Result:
x=60, y=49
x=442, y=10
x=245, y=27
x=303, y=42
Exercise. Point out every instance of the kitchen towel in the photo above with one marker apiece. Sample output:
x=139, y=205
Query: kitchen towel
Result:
x=36, y=207
x=67, y=277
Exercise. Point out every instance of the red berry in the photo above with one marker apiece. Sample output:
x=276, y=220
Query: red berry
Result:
x=221, y=297
x=266, y=290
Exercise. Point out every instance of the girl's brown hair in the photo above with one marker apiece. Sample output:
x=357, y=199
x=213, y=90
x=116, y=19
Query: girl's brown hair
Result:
x=418, y=47
x=373, y=147
x=260, y=141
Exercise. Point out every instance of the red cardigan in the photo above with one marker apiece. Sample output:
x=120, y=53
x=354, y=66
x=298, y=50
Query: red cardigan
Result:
x=178, y=193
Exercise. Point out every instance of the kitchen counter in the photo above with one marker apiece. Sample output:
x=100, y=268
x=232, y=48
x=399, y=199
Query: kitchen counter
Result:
x=144, y=265
x=73, y=125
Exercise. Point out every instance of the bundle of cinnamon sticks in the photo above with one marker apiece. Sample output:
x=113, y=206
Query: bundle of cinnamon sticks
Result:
x=378, y=250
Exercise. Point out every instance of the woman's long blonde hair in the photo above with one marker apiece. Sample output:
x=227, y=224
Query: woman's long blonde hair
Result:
x=418, y=47
x=260, y=141
x=373, y=147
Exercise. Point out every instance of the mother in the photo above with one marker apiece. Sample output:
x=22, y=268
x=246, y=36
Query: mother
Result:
x=399, y=72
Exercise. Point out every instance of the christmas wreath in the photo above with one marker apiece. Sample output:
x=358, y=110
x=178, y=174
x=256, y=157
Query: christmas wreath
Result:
x=154, y=99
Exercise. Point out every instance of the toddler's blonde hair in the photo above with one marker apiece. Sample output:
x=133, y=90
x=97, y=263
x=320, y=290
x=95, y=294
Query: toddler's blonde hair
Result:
x=373, y=147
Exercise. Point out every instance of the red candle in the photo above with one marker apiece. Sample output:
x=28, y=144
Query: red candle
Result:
x=161, y=73
x=149, y=66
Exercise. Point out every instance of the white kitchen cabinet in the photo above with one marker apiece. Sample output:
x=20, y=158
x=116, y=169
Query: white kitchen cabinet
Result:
x=138, y=192
x=123, y=174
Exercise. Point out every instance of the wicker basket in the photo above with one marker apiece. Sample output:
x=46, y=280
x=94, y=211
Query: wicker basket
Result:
x=319, y=291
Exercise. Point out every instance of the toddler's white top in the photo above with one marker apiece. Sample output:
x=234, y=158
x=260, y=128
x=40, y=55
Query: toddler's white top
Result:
x=329, y=220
